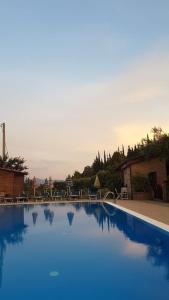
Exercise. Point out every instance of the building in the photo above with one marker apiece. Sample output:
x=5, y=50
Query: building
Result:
x=11, y=182
x=155, y=169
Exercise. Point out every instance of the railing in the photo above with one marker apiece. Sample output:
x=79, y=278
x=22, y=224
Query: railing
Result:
x=107, y=194
x=107, y=212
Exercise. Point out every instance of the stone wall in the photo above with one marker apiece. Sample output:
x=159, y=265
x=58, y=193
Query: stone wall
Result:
x=153, y=165
x=127, y=181
x=146, y=167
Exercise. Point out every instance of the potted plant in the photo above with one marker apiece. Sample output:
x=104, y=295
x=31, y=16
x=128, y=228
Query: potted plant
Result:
x=141, y=187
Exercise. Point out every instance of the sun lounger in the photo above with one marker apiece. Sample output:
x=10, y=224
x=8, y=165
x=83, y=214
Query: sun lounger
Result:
x=2, y=200
x=2, y=196
x=58, y=195
x=20, y=199
x=10, y=199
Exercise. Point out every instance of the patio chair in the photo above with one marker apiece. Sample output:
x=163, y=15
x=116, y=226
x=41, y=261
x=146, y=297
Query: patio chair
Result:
x=74, y=194
x=10, y=199
x=58, y=195
x=2, y=196
x=46, y=196
x=39, y=198
x=36, y=198
x=123, y=195
x=22, y=198
x=93, y=194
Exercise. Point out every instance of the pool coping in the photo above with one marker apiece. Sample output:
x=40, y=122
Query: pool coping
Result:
x=49, y=202
x=149, y=220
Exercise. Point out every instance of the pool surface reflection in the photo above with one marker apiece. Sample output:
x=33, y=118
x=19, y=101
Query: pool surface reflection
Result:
x=80, y=251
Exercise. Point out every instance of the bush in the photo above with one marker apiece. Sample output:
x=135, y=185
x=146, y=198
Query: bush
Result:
x=140, y=183
x=110, y=180
x=82, y=183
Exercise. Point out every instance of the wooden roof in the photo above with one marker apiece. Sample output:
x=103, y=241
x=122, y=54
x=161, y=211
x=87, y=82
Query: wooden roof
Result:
x=13, y=171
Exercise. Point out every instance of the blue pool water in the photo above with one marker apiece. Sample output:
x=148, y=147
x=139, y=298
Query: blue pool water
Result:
x=79, y=252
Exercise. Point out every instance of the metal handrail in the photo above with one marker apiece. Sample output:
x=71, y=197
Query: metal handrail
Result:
x=107, y=194
x=107, y=212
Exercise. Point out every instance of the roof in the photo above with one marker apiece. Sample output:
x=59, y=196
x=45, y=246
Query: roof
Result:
x=134, y=160
x=130, y=161
x=13, y=171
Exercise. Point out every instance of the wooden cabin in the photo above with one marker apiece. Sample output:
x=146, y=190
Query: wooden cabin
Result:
x=11, y=182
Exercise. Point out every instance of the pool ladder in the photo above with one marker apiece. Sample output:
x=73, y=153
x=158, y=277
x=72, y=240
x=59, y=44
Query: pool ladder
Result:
x=107, y=212
x=107, y=194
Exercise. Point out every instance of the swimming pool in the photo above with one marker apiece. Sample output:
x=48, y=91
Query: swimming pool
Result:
x=81, y=251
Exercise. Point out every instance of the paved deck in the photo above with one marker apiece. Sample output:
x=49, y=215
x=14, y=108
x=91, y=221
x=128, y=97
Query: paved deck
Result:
x=156, y=210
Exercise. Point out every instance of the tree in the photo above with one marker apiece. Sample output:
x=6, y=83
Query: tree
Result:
x=87, y=172
x=157, y=132
x=14, y=163
x=82, y=183
x=59, y=185
x=77, y=174
x=28, y=185
x=105, y=158
x=97, y=164
x=152, y=148
x=107, y=168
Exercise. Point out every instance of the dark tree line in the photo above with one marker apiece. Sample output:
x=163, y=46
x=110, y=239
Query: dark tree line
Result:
x=157, y=146
x=106, y=167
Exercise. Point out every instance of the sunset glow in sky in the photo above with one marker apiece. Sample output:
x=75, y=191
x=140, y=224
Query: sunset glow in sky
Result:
x=81, y=76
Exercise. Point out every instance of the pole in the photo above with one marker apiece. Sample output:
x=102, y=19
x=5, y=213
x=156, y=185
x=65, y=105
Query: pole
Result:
x=3, y=141
x=50, y=185
x=34, y=186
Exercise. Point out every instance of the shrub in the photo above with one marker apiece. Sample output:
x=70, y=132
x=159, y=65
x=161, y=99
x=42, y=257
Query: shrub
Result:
x=140, y=183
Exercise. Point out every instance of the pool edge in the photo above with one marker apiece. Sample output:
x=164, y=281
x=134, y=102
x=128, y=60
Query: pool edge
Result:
x=149, y=220
x=142, y=217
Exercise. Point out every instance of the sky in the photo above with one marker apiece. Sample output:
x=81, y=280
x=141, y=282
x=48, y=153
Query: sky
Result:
x=81, y=76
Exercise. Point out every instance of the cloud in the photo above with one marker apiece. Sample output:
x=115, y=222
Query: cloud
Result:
x=64, y=124
x=134, y=249
x=146, y=81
